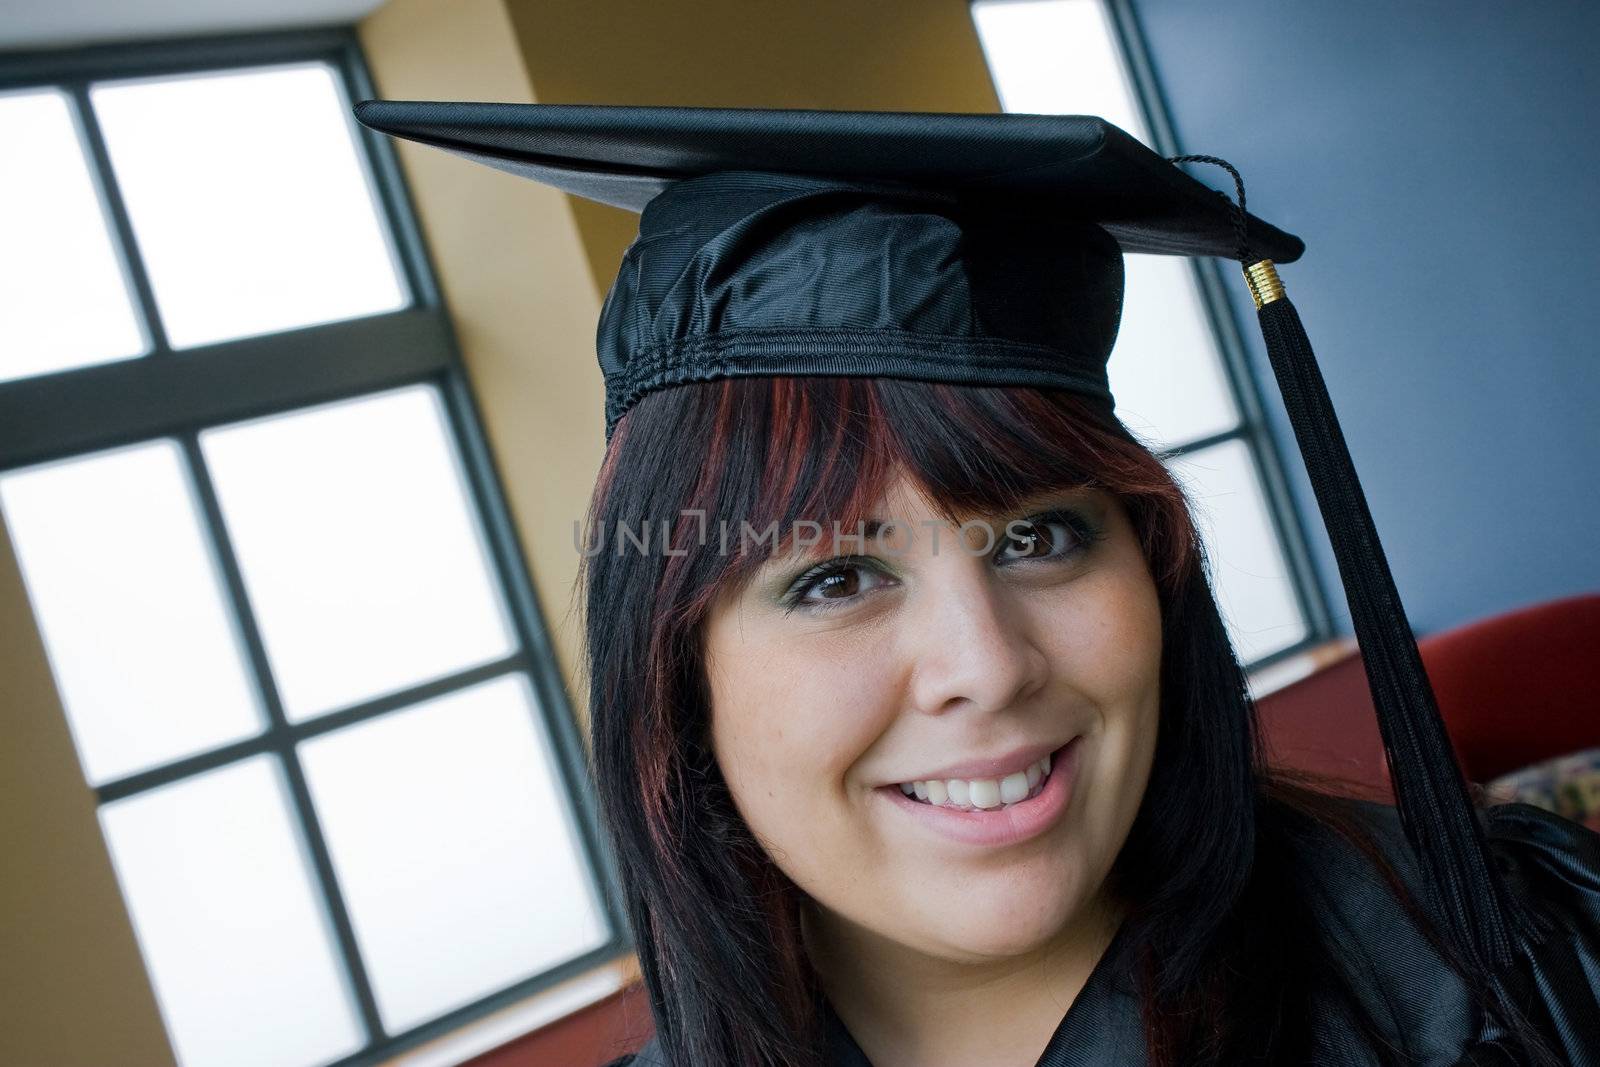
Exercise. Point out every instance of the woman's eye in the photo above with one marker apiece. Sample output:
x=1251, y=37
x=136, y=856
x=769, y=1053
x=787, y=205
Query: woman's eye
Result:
x=836, y=581
x=1051, y=536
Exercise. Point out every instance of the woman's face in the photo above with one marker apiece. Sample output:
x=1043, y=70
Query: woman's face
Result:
x=926, y=663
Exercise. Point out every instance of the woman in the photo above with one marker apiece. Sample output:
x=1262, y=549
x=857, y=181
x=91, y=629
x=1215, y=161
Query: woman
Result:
x=916, y=730
x=753, y=784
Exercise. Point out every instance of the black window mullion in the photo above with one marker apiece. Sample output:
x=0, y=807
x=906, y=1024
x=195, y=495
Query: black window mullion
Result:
x=1199, y=444
x=189, y=55
x=1264, y=459
x=280, y=739
x=508, y=560
x=86, y=409
x=299, y=732
x=116, y=212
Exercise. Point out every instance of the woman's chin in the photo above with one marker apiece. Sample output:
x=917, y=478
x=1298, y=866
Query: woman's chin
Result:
x=990, y=945
x=1001, y=925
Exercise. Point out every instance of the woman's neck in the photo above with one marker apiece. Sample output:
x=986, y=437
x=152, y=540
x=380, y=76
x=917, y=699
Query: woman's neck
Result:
x=906, y=1008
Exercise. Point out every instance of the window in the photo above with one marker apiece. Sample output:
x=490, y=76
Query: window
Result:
x=1178, y=370
x=279, y=591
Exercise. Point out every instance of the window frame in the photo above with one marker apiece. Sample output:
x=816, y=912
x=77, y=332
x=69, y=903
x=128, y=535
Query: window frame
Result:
x=177, y=394
x=1244, y=386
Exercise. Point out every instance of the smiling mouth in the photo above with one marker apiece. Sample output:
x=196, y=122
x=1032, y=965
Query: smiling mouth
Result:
x=983, y=794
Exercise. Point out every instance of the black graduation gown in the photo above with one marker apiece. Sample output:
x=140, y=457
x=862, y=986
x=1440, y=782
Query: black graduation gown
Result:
x=1409, y=990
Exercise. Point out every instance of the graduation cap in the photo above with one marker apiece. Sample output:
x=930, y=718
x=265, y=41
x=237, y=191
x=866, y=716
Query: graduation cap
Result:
x=983, y=249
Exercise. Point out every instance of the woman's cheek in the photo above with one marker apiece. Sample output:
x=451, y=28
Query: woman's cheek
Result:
x=1109, y=633
x=790, y=719
x=1106, y=648
x=787, y=743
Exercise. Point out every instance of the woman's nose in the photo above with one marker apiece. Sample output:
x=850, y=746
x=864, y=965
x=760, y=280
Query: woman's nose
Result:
x=968, y=641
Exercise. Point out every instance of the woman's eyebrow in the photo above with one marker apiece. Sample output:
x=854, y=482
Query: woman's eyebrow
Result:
x=823, y=548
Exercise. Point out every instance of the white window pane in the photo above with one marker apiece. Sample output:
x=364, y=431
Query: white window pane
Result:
x=1165, y=370
x=63, y=299
x=249, y=201
x=455, y=848
x=234, y=936
x=123, y=584
x=364, y=564
x=1057, y=57
x=1249, y=573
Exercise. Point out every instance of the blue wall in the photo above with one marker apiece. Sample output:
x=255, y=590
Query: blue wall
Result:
x=1442, y=162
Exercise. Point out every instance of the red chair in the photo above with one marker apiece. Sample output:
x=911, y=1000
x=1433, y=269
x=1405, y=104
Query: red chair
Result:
x=1514, y=689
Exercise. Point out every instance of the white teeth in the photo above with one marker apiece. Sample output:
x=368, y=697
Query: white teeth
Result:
x=1013, y=787
x=985, y=794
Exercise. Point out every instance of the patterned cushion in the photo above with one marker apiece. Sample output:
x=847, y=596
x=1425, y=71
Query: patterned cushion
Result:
x=1566, y=785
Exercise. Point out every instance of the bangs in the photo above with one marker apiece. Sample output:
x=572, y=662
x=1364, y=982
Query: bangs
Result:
x=777, y=452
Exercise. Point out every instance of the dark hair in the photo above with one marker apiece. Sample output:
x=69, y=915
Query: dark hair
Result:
x=716, y=923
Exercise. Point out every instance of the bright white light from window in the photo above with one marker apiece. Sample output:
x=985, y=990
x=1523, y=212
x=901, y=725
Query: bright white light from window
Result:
x=235, y=938
x=1165, y=370
x=248, y=198
x=359, y=546
x=63, y=300
x=455, y=846
x=1057, y=57
x=129, y=604
x=1249, y=574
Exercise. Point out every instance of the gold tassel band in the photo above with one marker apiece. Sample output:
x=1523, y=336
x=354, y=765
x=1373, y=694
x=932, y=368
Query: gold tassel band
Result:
x=1262, y=277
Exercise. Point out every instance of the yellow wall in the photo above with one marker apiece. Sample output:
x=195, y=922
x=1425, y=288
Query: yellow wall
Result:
x=869, y=55
x=73, y=990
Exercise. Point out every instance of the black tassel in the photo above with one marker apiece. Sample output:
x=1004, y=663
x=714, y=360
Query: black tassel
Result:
x=1431, y=795
x=1430, y=792
x=1490, y=930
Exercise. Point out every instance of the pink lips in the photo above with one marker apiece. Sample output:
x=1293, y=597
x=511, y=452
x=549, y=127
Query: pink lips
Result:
x=1008, y=825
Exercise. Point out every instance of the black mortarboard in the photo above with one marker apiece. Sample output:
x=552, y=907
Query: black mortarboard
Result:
x=983, y=249
x=976, y=248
